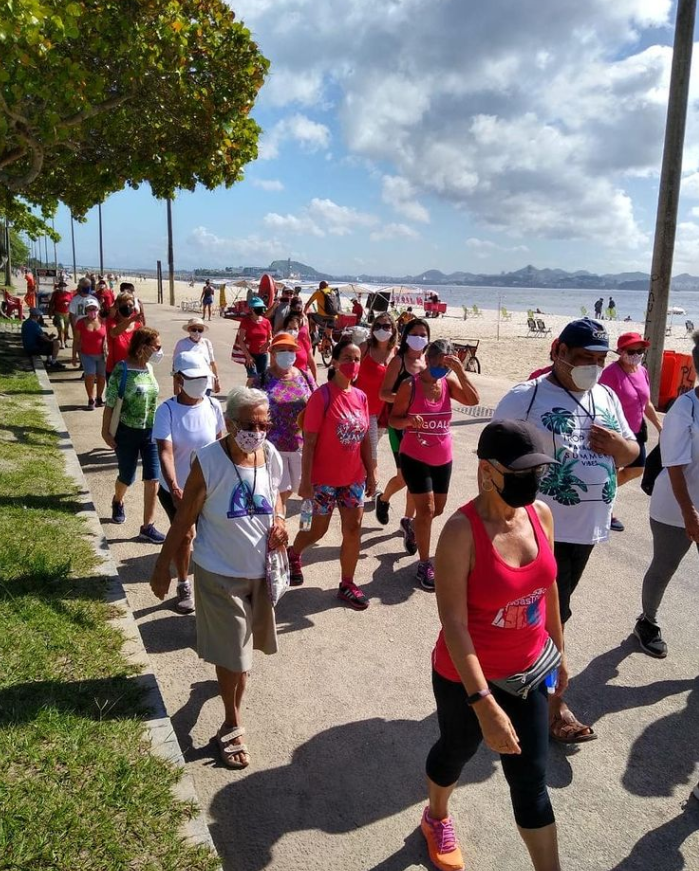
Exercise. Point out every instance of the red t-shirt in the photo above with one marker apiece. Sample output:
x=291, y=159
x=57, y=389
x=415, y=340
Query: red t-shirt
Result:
x=61, y=300
x=91, y=341
x=118, y=348
x=506, y=605
x=370, y=379
x=106, y=298
x=341, y=420
x=256, y=334
x=304, y=350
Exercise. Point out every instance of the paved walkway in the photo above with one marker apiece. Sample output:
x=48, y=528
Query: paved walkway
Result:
x=340, y=721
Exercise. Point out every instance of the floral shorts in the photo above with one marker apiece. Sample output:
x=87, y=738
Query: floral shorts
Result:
x=325, y=498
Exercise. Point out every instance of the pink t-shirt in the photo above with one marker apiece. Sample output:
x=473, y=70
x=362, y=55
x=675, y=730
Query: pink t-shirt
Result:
x=432, y=443
x=633, y=390
x=506, y=605
x=341, y=419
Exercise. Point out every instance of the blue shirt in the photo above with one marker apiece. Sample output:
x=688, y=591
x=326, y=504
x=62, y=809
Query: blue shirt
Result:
x=32, y=336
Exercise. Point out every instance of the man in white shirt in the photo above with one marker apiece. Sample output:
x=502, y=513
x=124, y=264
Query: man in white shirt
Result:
x=584, y=425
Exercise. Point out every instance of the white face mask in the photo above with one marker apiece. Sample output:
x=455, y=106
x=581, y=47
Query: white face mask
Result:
x=194, y=335
x=417, y=343
x=195, y=388
x=249, y=442
x=156, y=356
x=633, y=359
x=285, y=359
x=293, y=333
x=585, y=377
x=382, y=335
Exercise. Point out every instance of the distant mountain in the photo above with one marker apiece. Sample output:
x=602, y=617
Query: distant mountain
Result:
x=527, y=276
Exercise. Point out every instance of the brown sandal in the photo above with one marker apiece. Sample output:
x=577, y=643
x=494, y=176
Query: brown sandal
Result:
x=229, y=751
x=567, y=729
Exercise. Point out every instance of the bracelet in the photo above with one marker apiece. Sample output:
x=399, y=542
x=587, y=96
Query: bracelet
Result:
x=281, y=517
x=476, y=697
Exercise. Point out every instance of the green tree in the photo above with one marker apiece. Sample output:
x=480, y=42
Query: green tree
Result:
x=99, y=94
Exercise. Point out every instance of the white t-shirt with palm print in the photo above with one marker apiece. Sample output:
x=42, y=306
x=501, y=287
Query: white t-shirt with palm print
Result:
x=580, y=491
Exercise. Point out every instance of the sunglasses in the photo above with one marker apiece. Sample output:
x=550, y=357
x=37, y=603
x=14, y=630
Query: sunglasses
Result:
x=539, y=471
x=253, y=427
x=195, y=329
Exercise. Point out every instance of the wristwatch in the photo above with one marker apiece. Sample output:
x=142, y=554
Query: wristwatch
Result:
x=476, y=697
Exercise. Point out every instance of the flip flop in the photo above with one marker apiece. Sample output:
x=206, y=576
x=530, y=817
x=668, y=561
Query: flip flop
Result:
x=565, y=728
x=228, y=750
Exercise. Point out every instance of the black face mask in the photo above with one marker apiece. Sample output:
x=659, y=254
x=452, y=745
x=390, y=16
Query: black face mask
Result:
x=125, y=310
x=519, y=490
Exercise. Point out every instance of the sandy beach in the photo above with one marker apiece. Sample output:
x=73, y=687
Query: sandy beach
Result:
x=503, y=350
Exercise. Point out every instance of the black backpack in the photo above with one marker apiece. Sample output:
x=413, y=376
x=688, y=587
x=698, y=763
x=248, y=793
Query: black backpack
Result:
x=332, y=306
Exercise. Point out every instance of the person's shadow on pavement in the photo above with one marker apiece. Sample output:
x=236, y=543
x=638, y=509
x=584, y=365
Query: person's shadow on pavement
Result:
x=340, y=780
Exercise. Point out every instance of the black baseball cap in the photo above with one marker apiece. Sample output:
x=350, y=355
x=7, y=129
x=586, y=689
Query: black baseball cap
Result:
x=585, y=333
x=515, y=444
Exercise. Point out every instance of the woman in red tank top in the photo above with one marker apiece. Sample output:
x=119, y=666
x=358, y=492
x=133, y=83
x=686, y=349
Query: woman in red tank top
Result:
x=497, y=656
x=377, y=353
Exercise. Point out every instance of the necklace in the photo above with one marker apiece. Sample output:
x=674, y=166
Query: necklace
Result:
x=588, y=413
x=249, y=494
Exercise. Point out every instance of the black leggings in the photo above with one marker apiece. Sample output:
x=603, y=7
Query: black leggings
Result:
x=460, y=735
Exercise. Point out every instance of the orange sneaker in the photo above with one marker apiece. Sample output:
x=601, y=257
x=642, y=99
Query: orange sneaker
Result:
x=441, y=842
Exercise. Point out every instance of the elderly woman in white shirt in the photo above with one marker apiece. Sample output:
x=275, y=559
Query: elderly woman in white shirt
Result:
x=232, y=494
x=184, y=423
x=196, y=342
x=674, y=510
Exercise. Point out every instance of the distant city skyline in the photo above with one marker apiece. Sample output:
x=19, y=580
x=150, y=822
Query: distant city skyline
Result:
x=487, y=138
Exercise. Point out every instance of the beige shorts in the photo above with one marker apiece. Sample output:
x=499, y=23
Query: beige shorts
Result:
x=234, y=615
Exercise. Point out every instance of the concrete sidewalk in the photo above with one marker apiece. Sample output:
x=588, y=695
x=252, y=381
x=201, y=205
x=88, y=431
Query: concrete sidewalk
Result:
x=340, y=721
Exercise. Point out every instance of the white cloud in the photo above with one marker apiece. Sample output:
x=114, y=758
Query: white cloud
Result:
x=394, y=231
x=531, y=116
x=301, y=224
x=339, y=220
x=268, y=184
x=310, y=135
x=484, y=248
x=399, y=193
x=206, y=243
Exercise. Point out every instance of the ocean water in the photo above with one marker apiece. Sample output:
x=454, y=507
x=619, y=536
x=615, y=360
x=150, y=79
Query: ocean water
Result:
x=561, y=302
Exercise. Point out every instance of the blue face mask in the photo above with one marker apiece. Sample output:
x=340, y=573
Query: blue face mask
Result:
x=438, y=372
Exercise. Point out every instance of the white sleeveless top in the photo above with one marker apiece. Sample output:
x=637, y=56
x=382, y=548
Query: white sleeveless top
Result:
x=234, y=522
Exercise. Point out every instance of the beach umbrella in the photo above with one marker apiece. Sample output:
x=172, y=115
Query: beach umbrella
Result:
x=676, y=310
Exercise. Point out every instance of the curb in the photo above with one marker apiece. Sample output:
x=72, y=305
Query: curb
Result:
x=160, y=730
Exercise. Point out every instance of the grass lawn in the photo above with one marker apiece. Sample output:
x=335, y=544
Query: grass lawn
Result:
x=79, y=789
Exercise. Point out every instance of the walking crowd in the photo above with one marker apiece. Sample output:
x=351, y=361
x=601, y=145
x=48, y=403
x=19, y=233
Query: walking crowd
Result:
x=507, y=564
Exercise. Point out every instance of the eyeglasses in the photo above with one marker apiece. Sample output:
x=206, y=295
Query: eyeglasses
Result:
x=539, y=471
x=246, y=426
x=196, y=329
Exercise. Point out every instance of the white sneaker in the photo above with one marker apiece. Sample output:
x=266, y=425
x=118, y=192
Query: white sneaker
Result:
x=185, y=598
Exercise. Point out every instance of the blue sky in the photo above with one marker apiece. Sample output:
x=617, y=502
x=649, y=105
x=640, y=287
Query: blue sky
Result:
x=417, y=134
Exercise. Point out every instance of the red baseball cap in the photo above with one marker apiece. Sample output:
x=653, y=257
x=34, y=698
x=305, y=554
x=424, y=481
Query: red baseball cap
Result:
x=627, y=339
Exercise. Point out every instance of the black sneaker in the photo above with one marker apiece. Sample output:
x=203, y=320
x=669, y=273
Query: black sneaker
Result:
x=406, y=525
x=649, y=638
x=351, y=595
x=382, y=510
x=151, y=534
x=99, y=402
x=118, y=513
x=616, y=525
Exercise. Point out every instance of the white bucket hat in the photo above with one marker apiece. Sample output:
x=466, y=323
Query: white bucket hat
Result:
x=194, y=322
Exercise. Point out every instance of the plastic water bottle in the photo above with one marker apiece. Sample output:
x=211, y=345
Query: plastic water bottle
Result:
x=551, y=681
x=306, y=515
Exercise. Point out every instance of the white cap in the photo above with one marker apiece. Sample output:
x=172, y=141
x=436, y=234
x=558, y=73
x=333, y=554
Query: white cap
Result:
x=191, y=364
x=92, y=303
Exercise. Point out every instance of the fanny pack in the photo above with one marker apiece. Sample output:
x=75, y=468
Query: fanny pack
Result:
x=524, y=682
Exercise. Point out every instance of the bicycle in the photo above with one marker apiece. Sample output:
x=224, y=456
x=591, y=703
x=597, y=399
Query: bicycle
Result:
x=467, y=355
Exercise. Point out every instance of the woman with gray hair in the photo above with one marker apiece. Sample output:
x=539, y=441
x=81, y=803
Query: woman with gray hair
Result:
x=674, y=510
x=232, y=494
x=423, y=411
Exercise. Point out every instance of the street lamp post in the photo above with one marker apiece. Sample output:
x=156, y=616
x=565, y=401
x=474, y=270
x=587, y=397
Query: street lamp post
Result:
x=99, y=215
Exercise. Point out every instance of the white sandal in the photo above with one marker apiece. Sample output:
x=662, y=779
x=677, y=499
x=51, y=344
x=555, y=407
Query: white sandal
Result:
x=229, y=751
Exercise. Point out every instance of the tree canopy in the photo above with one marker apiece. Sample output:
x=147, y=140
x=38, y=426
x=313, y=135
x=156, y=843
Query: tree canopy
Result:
x=99, y=94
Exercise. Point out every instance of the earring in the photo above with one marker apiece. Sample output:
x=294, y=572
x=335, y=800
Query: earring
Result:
x=487, y=481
